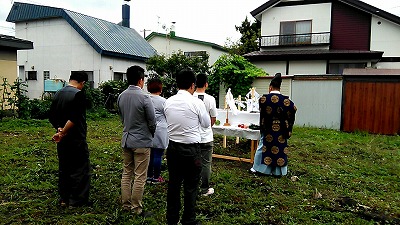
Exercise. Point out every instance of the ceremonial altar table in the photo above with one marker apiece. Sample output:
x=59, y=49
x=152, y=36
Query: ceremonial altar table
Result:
x=233, y=130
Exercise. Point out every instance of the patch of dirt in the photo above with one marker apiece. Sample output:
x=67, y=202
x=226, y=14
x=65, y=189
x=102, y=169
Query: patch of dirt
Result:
x=348, y=204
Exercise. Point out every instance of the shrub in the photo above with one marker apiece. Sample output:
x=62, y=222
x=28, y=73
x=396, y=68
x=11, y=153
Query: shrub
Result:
x=166, y=68
x=94, y=98
x=39, y=109
x=111, y=90
x=235, y=72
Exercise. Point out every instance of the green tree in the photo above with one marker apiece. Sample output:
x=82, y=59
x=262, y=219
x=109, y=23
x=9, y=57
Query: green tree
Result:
x=234, y=72
x=167, y=67
x=248, y=42
x=19, y=101
x=110, y=91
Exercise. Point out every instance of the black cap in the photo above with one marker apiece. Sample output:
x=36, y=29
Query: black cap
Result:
x=276, y=81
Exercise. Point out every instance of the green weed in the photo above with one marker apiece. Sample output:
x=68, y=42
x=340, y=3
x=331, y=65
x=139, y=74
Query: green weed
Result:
x=357, y=175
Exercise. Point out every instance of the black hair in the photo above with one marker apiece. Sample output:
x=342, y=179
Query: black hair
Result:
x=185, y=78
x=134, y=74
x=201, y=80
x=154, y=85
x=79, y=76
x=276, y=81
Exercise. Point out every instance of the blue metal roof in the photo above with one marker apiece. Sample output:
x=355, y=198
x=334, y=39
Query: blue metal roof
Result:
x=105, y=37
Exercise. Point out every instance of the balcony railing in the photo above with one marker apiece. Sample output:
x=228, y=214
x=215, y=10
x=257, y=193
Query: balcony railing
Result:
x=295, y=39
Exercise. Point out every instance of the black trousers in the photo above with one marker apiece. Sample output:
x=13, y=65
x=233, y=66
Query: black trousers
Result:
x=184, y=167
x=74, y=172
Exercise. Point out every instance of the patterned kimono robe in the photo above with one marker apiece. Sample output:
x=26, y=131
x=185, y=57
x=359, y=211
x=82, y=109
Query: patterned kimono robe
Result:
x=277, y=115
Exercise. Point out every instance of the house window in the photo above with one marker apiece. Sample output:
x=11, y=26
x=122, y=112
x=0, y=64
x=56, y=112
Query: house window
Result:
x=195, y=54
x=46, y=75
x=118, y=76
x=295, y=32
x=32, y=75
x=90, y=77
x=337, y=68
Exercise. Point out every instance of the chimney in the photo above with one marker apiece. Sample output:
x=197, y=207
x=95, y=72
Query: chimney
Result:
x=126, y=14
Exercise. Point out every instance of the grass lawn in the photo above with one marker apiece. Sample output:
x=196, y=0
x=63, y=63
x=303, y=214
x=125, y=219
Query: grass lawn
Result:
x=343, y=178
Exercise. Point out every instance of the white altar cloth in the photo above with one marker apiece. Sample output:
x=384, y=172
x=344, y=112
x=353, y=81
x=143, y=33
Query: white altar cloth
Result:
x=236, y=132
x=233, y=130
x=241, y=117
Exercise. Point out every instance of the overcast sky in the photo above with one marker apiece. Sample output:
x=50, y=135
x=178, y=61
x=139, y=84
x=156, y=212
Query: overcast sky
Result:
x=207, y=20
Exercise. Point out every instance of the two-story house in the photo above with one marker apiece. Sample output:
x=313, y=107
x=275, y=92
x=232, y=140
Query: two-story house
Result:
x=325, y=36
x=341, y=58
x=167, y=44
x=67, y=41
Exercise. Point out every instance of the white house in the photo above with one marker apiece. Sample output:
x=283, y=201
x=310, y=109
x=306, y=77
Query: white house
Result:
x=166, y=44
x=325, y=36
x=67, y=41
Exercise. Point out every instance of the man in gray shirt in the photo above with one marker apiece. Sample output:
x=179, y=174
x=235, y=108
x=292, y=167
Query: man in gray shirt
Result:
x=137, y=114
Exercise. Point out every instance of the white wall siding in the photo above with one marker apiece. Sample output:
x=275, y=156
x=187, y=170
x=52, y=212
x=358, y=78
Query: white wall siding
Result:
x=388, y=65
x=320, y=14
x=262, y=85
x=272, y=67
x=117, y=66
x=168, y=46
x=318, y=103
x=307, y=67
x=58, y=48
x=385, y=37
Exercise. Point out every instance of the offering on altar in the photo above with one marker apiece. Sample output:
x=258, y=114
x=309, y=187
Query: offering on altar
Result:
x=242, y=125
x=252, y=100
x=230, y=102
x=239, y=102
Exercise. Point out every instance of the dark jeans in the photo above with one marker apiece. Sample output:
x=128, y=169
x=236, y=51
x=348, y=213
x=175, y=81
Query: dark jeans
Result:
x=155, y=162
x=206, y=158
x=184, y=167
x=74, y=172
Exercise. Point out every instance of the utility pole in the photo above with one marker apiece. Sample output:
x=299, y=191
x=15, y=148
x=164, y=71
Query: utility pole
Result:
x=144, y=32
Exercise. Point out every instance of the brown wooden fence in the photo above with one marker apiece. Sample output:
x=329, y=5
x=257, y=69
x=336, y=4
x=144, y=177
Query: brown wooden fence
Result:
x=372, y=104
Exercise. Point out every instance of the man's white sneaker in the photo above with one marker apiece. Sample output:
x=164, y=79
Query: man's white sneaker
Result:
x=210, y=191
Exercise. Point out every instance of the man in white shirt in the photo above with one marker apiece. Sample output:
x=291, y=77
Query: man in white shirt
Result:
x=207, y=137
x=185, y=115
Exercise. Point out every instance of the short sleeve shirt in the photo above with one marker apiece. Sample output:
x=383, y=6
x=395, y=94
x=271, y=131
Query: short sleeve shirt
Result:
x=209, y=102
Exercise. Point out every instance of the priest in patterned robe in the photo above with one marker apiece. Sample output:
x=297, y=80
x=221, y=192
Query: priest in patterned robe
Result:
x=277, y=115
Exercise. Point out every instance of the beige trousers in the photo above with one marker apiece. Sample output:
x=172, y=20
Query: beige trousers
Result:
x=136, y=162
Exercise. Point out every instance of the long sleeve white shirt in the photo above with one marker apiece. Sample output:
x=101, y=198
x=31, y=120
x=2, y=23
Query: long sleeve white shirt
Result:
x=185, y=115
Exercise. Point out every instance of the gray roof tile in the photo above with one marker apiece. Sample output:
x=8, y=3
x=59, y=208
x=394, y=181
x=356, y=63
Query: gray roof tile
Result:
x=105, y=37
